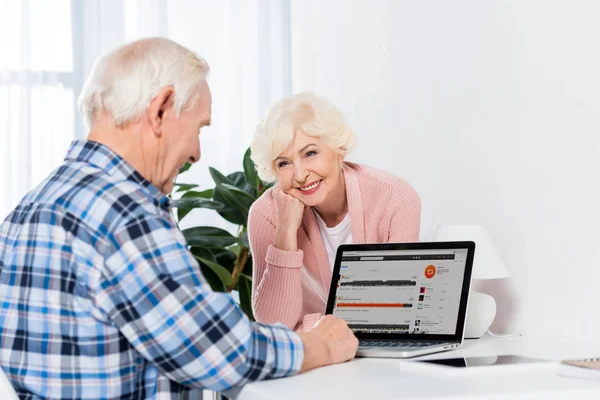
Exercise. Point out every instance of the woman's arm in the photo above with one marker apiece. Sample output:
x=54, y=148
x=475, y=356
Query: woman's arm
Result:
x=406, y=221
x=276, y=276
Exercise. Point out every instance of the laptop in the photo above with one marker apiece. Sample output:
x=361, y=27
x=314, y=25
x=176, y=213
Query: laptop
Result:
x=403, y=300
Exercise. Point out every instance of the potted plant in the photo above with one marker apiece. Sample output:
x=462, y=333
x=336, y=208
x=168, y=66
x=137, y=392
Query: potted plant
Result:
x=225, y=259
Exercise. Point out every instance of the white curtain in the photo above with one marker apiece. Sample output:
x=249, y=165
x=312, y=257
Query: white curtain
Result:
x=48, y=48
x=36, y=93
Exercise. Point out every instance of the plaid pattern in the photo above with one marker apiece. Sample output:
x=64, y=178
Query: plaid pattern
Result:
x=100, y=297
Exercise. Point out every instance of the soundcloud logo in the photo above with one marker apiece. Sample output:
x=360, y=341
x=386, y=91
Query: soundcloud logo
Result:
x=430, y=271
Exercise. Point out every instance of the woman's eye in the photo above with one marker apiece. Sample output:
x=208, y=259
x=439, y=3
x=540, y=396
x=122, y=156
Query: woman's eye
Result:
x=282, y=164
x=311, y=153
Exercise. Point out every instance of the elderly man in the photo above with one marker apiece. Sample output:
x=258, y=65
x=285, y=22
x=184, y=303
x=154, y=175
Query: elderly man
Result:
x=101, y=297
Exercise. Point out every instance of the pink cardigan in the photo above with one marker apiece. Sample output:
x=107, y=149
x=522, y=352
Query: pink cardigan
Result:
x=292, y=287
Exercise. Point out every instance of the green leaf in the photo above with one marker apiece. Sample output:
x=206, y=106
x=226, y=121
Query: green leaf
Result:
x=229, y=213
x=235, y=249
x=239, y=180
x=185, y=204
x=220, y=271
x=205, y=194
x=203, y=253
x=208, y=237
x=248, y=267
x=181, y=213
x=219, y=177
x=182, y=187
x=226, y=258
x=211, y=277
x=237, y=199
x=244, y=286
x=189, y=203
x=233, y=197
x=250, y=170
x=244, y=195
x=185, y=167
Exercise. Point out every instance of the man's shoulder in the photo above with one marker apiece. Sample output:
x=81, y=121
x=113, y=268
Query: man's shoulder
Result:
x=93, y=197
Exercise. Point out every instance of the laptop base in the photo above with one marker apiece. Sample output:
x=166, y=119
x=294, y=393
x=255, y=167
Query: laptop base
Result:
x=403, y=352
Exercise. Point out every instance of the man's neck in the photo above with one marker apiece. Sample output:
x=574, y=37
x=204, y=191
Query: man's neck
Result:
x=125, y=141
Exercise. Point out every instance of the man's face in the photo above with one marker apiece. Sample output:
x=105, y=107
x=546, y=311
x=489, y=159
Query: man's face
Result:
x=180, y=139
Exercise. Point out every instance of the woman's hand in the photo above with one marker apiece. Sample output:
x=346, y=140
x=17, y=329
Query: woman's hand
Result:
x=290, y=211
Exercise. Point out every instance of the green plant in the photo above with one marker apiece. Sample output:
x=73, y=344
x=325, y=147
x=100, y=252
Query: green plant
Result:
x=225, y=259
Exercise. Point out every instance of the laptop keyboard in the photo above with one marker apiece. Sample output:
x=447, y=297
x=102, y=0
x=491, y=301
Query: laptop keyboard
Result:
x=387, y=343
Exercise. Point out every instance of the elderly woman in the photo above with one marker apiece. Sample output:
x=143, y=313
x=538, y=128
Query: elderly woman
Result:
x=319, y=202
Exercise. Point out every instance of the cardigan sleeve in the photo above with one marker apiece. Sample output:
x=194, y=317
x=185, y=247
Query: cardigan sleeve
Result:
x=405, y=223
x=276, y=275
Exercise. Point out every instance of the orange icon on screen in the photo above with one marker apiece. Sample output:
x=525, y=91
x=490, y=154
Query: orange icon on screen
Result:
x=430, y=271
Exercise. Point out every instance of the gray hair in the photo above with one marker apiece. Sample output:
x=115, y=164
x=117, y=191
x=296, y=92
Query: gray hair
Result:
x=124, y=82
x=308, y=112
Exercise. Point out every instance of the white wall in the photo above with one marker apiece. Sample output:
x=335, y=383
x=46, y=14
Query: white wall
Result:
x=491, y=109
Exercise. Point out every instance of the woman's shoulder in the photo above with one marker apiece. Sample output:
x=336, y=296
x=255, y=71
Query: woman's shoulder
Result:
x=377, y=182
x=367, y=175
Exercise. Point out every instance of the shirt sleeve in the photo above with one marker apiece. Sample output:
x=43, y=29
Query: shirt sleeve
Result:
x=152, y=289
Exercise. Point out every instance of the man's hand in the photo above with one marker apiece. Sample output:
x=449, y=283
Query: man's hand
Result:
x=290, y=211
x=329, y=342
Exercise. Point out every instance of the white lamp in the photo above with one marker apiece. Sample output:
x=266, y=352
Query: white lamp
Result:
x=487, y=264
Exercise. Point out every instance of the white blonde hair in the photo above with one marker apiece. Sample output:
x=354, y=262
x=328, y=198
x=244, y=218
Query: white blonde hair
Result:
x=124, y=82
x=312, y=114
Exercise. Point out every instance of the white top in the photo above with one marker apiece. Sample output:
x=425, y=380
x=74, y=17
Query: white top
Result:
x=335, y=236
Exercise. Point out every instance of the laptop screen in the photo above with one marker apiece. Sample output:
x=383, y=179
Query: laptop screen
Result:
x=414, y=291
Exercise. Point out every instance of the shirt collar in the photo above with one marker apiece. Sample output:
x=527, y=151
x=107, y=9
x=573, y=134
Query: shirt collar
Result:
x=103, y=157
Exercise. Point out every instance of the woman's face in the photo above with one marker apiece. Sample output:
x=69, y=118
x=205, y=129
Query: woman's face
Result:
x=309, y=170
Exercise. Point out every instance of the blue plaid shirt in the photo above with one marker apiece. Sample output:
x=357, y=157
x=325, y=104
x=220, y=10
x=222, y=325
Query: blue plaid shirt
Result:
x=101, y=298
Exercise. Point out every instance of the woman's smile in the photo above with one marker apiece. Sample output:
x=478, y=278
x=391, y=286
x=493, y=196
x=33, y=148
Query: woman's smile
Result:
x=311, y=187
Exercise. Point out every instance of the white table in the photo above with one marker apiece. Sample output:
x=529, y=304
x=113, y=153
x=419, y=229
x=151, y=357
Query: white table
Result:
x=374, y=379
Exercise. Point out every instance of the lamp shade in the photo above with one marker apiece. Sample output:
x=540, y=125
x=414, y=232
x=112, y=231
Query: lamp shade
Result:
x=487, y=263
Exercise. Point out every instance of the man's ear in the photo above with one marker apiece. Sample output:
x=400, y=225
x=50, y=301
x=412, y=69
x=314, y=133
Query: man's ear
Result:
x=159, y=106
